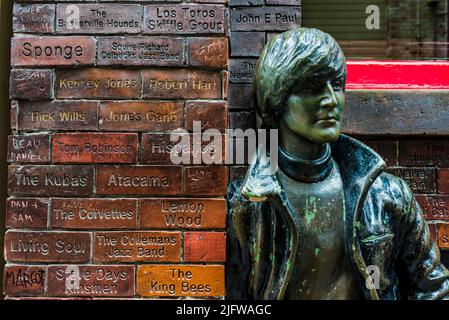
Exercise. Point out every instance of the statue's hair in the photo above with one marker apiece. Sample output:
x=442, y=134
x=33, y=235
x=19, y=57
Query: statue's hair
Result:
x=287, y=61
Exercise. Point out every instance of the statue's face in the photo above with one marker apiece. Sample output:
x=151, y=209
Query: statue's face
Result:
x=315, y=110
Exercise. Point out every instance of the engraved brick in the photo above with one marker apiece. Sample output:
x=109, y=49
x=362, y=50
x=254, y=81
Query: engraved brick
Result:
x=443, y=236
x=247, y=44
x=434, y=207
x=148, y=246
x=240, y=96
x=98, y=83
x=443, y=180
x=386, y=149
x=33, y=246
x=29, y=148
x=92, y=280
x=204, y=246
x=57, y=115
x=208, y=52
x=420, y=180
x=140, y=51
x=33, y=18
x=24, y=280
x=424, y=153
x=242, y=70
x=141, y=115
x=211, y=114
x=93, y=213
x=31, y=84
x=181, y=84
x=94, y=147
x=205, y=181
x=241, y=3
x=139, y=180
x=50, y=180
x=26, y=213
x=186, y=213
x=53, y=51
x=184, y=19
x=180, y=280
x=156, y=148
x=284, y=2
x=100, y=18
x=242, y=120
x=265, y=18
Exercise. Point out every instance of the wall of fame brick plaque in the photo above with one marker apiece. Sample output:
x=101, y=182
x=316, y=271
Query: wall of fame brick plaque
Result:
x=96, y=207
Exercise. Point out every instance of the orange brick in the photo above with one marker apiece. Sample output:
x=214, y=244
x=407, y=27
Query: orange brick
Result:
x=204, y=246
x=443, y=236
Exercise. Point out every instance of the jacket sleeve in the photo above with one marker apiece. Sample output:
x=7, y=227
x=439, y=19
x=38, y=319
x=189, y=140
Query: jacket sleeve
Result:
x=425, y=277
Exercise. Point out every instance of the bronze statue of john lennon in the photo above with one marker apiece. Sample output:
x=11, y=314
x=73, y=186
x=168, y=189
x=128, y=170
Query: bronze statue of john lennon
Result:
x=330, y=219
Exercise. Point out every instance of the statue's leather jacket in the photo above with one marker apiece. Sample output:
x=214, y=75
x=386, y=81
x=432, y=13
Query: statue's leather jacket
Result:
x=384, y=227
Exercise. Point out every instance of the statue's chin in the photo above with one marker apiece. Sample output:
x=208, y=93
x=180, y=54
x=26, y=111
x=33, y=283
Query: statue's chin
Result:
x=324, y=137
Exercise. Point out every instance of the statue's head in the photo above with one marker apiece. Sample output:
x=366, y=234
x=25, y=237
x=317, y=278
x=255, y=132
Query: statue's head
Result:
x=299, y=81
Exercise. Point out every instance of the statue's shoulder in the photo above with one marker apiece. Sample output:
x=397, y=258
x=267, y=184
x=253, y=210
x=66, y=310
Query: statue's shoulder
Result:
x=234, y=193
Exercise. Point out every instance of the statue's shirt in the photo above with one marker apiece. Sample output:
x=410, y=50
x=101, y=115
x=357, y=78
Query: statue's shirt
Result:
x=322, y=269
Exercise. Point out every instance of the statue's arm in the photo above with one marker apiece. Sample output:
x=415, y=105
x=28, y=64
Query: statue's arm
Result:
x=425, y=276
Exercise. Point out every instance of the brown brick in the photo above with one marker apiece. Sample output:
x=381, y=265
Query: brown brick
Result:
x=141, y=115
x=236, y=172
x=181, y=84
x=443, y=235
x=206, y=181
x=57, y=115
x=241, y=70
x=53, y=51
x=443, y=180
x=93, y=213
x=185, y=19
x=241, y=3
x=139, y=180
x=420, y=180
x=91, y=281
x=247, y=44
x=242, y=120
x=34, y=18
x=180, y=280
x=148, y=246
x=424, y=153
x=98, y=83
x=140, y=51
x=188, y=213
x=29, y=148
x=435, y=207
x=157, y=147
x=30, y=84
x=100, y=18
x=13, y=114
x=50, y=180
x=24, y=280
x=433, y=231
x=240, y=96
x=274, y=18
x=208, y=52
x=204, y=246
x=386, y=149
x=212, y=115
x=94, y=147
x=30, y=246
x=26, y=213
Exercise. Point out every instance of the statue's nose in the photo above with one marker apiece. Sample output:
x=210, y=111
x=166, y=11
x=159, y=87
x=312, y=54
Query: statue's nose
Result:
x=328, y=100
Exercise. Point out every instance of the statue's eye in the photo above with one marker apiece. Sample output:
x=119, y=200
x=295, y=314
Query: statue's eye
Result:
x=337, y=84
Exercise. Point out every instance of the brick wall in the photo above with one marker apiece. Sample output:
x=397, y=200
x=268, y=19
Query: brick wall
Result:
x=91, y=186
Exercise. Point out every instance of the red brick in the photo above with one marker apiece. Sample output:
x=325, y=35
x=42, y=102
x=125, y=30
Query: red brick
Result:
x=420, y=180
x=433, y=231
x=211, y=114
x=435, y=207
x=443, y=180
x=91, y=280
x=208, y=52
x=50, y=180
x=53, y=51
x=98, y=83
x=57, y=115
x=30, y=246
x=139, y=180
x=188, y=213
x=181, y=84
x=141, y=115
x=206, y=181
x=35, y=18
x=24, y=280
x=26, y=213
x=443, y=236
x=204, y=246
x=156, y=148
x=93, y=213
x=30, y=84
x=29, y=148
x=94, y=147
x=148, y=246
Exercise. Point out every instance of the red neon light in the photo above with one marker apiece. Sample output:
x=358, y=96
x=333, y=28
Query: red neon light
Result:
x=398, y=75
